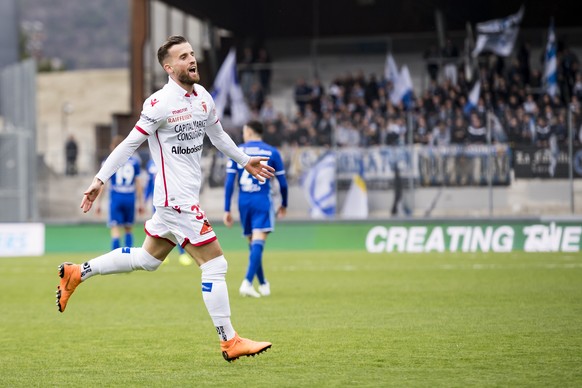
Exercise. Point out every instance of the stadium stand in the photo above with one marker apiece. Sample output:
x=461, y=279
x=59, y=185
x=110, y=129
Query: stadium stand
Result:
x=357, y=107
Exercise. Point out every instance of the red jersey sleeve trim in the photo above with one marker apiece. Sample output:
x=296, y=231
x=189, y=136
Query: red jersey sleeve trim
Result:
x=141, y=130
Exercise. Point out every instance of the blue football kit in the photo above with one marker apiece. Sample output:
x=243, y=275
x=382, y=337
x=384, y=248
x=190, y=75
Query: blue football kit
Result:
x=255, y=201
x=122, y=193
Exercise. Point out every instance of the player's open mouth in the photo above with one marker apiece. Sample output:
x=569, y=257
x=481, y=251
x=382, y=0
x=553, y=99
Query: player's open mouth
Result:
x=192, y=70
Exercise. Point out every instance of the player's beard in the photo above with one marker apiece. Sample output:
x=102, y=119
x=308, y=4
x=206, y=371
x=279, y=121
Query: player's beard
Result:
x=187, y=78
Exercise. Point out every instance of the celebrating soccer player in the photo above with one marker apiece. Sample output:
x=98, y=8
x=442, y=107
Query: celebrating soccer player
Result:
x=174, y=120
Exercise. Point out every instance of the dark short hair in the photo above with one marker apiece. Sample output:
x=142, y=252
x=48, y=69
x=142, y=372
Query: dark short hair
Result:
x=256, y=126
x=167, y=45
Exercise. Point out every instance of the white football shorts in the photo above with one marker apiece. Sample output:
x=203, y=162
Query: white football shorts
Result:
x=181, y=225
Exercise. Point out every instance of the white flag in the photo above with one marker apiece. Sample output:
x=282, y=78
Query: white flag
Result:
x=498, y=35
x=473, y=99
x=390, y=69
x=403, y=87
x=226, y=89
x=319, y=187
x=356, y=203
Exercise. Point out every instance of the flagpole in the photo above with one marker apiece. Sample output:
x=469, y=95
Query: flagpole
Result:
x=570, y=156
x=489, y=160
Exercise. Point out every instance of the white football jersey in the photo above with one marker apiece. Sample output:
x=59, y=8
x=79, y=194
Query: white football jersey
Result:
x=175, y=123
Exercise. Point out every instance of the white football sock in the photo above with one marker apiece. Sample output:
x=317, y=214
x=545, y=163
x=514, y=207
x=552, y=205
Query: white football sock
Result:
x=215, y=296
x=118, y=261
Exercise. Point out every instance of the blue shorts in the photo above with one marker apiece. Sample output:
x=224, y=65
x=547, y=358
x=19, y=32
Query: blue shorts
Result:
x=256, y=218
x=121, y=210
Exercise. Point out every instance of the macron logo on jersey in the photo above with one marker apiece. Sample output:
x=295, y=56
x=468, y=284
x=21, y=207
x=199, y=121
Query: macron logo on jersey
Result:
x=204, y=107
x=154, y=101
x=206, y=287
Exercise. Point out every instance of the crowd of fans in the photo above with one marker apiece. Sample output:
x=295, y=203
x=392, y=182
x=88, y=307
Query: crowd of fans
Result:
x=355, y=109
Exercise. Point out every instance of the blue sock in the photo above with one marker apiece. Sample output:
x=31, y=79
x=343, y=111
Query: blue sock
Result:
x=129, y=240
x=255, y=259
x=260, y=274
x=181, y=249
x=115, y=243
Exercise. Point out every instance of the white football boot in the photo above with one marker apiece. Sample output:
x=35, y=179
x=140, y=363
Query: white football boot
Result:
x=247, y=289
x=265, y=289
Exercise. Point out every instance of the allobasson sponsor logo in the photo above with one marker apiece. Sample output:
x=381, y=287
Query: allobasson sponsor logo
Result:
x=186, y=150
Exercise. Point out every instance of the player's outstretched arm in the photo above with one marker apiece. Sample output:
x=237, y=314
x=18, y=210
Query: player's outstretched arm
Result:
x=91, y=194
x=260, y=170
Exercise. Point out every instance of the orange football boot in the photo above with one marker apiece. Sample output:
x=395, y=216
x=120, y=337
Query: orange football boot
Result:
x=70, y=278
x=237, y=347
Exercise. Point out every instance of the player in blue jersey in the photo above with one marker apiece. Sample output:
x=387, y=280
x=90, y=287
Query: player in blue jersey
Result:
x=152, y=170
x=125, y=189
x=255, y=204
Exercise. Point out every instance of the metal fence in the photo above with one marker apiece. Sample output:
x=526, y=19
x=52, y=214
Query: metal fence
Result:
x=18, y=154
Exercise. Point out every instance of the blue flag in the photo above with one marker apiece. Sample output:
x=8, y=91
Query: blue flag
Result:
x=320, y=187
x=227, y=91
x=551, y=64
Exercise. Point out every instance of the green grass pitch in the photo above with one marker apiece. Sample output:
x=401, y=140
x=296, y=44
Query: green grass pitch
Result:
x=336, y=319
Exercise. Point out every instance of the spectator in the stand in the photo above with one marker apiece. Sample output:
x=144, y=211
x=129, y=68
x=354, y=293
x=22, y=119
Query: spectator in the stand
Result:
x=432, y=59
x=368, y=132
x=543, y=132
x=500, y=88
x=394, y=132
x=513, y=102
x=435, y=89
x=450, y=58
x=256, y=97
x=577, y=89
x=272, y=135
x=247, y=71
x=347, y=135
x=71, y=153
x=325, y=129
x=568, y=66
x=317, y=94
x=560, y=129
x=371, y=90
x=335, y=91
x=476, y=132
x=575, y=105
x=527, y=128
x=267, y=113
x=500, y=108
x=530, y=106
x=347, y=83
x=513, y=131
x=421, y=134
x=448, y=111
x=292, y=136
x=305, y=133
x=459, y=131
x=302, y=94
x=264, y=69
x=548, y=113
x=441, y=134
x=382, y=99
